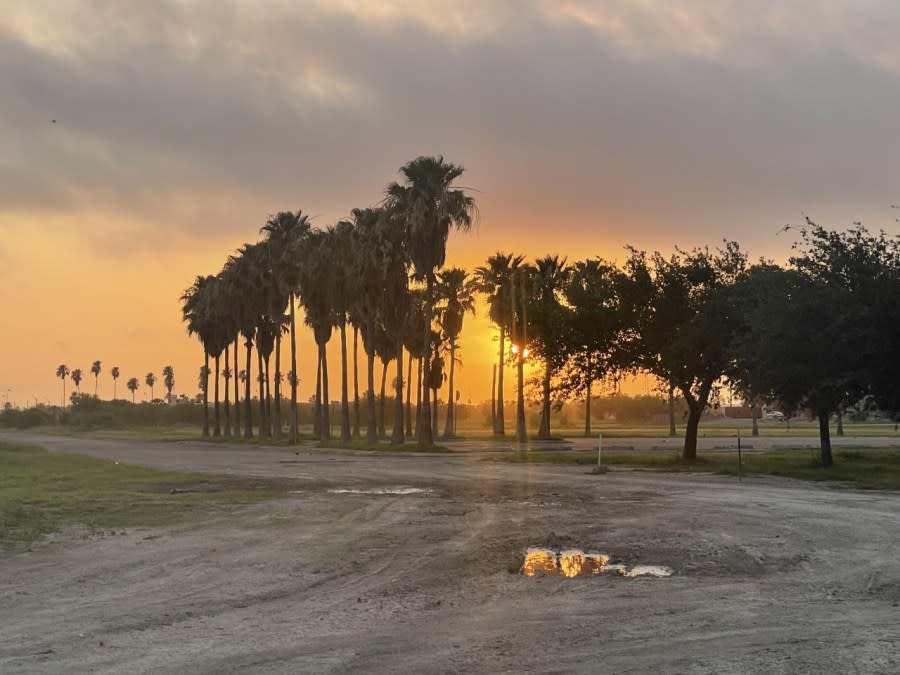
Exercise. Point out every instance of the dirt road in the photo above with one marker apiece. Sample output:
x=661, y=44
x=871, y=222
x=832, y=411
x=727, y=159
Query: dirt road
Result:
x=769, y=575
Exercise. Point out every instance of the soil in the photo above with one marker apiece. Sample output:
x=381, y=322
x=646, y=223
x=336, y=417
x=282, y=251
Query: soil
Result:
x=770, y=575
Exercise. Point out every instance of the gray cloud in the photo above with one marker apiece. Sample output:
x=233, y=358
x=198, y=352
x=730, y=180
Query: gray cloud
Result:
x=198, y=119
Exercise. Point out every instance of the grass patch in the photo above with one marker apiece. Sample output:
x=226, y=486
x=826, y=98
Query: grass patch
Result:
x=43, y=492
x=361, y=444
x=871, y=470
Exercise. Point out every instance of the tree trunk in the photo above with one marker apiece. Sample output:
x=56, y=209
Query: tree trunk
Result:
x=371, y=426
x=317, y=408
x=248, y=410
x=326, y=400
x=755, y=422
x=499, y=427
x=840, y=423
x=277, y=384
x=397, y=436
x=544, y=431
x=434, y=415
x=294, y=376
x=355, y=383
x=409, y=395
x=419, y=384
x=672, y=431
x=450, y=424
x=825, y=437
x=587, y=401
x=227, y=391
x=267, y=381
x=381, y=426
x=263, y=422
x=494, y=399
x=521, y=431
x=237, y=388
x=426, y=436
x=689, y=454
x=345, y=401
x=205, y=394
x=218, y=428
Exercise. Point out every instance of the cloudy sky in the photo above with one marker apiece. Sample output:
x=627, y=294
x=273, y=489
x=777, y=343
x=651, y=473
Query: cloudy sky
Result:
x=583, y=126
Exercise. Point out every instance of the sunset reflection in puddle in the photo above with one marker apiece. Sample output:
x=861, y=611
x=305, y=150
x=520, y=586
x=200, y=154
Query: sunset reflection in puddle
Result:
x=574, y=562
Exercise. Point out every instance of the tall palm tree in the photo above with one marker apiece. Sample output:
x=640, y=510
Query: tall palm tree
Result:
x=95, y=371
x=76, y=378
x=285, y=236
x=548, y=325
x=430, y=206
x=415, y=347
x=495, y=281
x=169, y=380
x=455, y=296
x=62, y=372
x=343, y=292
x=198, y=312
x=114, y=371
x=150, y=379
x=132, y=385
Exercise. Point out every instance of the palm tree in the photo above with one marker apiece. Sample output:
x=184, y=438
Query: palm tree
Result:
x=285, y=237
x=343, y=296
x=455, y=296
x=132, y=385
x=150, y=379
x=495, y=281
x=169, y=380
x=76, y=378
x=198, y=312
x=95, y=370
x=62, y=372
x=114, y=371
x=548, y=326
x=430, y=206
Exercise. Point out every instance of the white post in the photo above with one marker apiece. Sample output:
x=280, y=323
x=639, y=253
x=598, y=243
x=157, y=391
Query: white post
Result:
x=599, y=448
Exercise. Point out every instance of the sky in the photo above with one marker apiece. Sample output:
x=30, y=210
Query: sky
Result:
x=181, y=125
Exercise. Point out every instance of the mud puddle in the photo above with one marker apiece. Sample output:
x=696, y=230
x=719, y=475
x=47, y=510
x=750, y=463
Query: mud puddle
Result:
x=574, y=562
x=401, y=490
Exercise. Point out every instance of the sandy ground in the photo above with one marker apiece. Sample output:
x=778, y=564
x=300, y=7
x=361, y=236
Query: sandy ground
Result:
x=771, y=576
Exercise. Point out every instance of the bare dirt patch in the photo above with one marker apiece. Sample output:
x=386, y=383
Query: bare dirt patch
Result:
x=768, y=575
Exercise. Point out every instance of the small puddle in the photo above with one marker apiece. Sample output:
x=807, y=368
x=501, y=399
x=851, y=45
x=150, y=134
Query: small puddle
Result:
x=574, y=562
x=382, y=491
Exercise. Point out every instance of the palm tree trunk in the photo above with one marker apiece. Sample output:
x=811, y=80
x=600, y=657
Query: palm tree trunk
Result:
x=544, y=431
x=426, y=436
x=237, y=388
x=218, y=429
x=345, y=402
x=317, y=407
x=227, y=394
x=587, y=397
x=115, y=389
x=371, y=428
x=205, y=393
x=499, y=428
x=434, y=415
x=521, y=432
x=355, y=383
x=248, y=409
x=408, y=395
x=381, y=426
x=397, y=436
x=449, y=425
x=263, y=424
x=278, y=382
x=268, y=398
x=326, y=401
x=294, y=376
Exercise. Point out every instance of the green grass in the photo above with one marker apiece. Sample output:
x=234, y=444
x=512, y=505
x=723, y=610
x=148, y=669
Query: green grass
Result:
x=361, y=444
x=42, y=492
x=872, y=470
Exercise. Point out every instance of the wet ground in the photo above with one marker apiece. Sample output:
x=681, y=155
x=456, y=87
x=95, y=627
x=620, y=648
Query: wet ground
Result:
x=410, y=563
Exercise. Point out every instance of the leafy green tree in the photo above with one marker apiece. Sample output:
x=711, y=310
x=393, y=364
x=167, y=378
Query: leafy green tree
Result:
x=593, y=326
x=430, y=206
x=95, y=371
x=681, y=323
x=62, y=372
x=132, y=385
